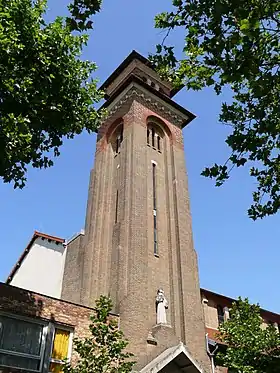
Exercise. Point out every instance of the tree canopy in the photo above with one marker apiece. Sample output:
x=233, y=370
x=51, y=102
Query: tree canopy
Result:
x=104, y=349
x=46, y=90
x=251, y=348
x=233, y=44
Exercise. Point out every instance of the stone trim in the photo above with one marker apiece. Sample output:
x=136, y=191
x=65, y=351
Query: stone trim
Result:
x=135, y=92
x=167, y=356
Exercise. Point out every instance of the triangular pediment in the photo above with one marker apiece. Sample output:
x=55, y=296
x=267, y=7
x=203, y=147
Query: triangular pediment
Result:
x=172, y=360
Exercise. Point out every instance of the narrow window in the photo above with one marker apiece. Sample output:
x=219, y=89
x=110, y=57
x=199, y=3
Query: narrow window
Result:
x=155, y=235
x=118, y=139
x=153, y=137
x=116, y=208
x=221, y=316
x=154, y=188
x=155, y=210
x=117, y=145
x=158, y=143
x=118, y=142
x=148, y=136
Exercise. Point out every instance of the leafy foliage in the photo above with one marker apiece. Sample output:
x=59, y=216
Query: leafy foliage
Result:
x=46, y=93
x=103, y=350
x=250, y=347
x=236, y=44
x=81, y=11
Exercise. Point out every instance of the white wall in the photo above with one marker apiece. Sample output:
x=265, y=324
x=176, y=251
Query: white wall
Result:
x=42, y=269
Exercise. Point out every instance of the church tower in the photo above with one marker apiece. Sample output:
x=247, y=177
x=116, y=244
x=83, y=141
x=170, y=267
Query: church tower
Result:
x=138, y=233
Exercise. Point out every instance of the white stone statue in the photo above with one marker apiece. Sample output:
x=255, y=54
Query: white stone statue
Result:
x=162, y=305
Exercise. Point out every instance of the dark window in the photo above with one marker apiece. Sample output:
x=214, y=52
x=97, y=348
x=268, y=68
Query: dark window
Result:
x=153, y=137
x=148, y=136
x=155, y=234
x=118, y=142
x=21, y=343
x=154, y=188
x=158, y=143
x=118, y=138
x=117, y=205
x=155, y=209
x=221, y=315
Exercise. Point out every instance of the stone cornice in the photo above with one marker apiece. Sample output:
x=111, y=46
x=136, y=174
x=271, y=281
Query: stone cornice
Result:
x=171, y=111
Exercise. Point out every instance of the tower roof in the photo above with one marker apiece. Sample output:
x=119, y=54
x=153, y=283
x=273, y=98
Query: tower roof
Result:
x=137, y=71
x=138, y=66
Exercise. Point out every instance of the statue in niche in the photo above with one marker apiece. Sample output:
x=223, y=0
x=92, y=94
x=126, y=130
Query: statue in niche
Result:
x=161, y=305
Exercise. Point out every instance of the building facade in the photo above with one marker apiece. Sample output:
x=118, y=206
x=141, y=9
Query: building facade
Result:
x=137, y=245
x=42, y=253
x=37, y=331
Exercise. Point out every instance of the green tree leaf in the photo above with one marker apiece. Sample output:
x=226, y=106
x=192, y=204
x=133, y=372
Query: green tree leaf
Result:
x=46, y=90
x=233, y=44
x=104, y=350
x=251, y=347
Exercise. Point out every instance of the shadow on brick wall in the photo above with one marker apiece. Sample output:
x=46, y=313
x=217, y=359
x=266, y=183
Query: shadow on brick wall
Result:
x=19, y=301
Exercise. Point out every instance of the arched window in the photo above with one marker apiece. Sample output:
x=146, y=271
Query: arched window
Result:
x=154, y=136
x=117, y=139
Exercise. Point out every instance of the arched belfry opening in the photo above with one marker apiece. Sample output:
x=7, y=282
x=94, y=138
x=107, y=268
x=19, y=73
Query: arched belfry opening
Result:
x=157, y=133
x=116, y=138
x=155, y=136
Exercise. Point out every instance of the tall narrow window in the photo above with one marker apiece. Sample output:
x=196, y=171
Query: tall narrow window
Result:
x=153, y=137
x=221, y=315
x=117, y=144
x=116, y=208
x=117, y=139
x=158, y=143
x=154, y=188
x=155, y=235
x=155, y=210
x=148, y=136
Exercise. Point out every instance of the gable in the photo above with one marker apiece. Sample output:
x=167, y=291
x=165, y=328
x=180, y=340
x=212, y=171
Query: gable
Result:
x=40, y=268
x=174, y=359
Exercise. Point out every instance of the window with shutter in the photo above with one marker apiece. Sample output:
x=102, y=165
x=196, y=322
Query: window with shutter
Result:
x=60, y=350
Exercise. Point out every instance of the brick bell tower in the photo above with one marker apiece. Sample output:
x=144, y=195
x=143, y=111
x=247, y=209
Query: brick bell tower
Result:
x=138, y=234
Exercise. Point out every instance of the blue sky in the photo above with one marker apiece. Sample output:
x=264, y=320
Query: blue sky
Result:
x=236, y=256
